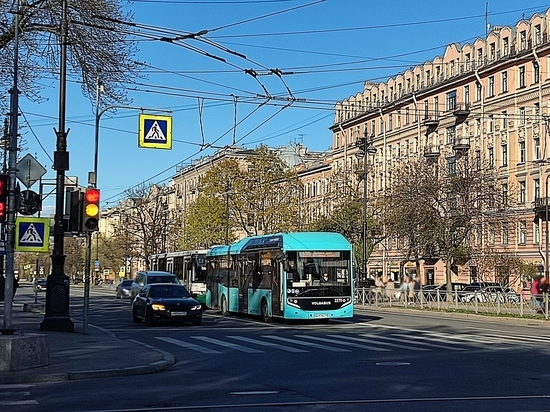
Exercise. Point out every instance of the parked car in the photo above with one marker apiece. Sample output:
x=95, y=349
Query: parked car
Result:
x=167, y=302
x=123, y=289
x=491, y=294
x=434, y=292
x=149, y=277
x=39, y=284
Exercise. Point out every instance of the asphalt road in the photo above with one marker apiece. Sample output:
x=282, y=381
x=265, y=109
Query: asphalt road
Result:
x=378, y=361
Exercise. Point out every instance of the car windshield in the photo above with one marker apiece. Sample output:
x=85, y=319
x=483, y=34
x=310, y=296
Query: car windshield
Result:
x=168, y=291
x=162, y=279
x=126, y=283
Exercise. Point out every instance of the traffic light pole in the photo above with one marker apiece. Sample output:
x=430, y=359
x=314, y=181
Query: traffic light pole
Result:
x=87, y=282
x=56, y=316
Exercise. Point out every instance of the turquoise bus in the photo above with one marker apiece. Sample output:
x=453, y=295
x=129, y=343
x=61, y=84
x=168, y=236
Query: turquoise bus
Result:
x=302, y=275
x=188, y=265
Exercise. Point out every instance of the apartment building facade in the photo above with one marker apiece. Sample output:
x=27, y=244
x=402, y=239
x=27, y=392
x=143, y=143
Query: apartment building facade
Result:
x=491, y=99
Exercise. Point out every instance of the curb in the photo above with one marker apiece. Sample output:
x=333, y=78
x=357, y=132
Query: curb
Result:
x=153, y=367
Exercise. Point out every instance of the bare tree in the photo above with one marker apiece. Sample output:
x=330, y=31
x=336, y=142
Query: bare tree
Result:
x=97, y=47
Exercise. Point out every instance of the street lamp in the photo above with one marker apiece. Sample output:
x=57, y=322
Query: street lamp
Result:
x=366, y=147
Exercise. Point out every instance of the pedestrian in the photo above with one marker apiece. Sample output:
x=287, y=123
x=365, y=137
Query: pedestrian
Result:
x=379, y=284
x=536, y=297
x=15, y=285
x=390, y=289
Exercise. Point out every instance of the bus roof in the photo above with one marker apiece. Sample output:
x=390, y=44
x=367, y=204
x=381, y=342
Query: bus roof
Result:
x=296, y=241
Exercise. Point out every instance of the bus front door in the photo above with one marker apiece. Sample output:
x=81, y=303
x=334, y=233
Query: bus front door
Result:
x=243, y=293
x=276, y=289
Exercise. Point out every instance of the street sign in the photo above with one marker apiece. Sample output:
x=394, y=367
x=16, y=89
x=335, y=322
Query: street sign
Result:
x=155, y=132
x=96, y=265
x=32, y=234
x=29, y=170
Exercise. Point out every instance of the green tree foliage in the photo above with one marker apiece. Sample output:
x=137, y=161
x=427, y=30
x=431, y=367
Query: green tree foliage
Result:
x=97, y=46
x=261, y=195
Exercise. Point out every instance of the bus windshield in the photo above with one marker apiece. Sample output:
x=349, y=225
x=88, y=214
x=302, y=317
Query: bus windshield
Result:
x=317, y=268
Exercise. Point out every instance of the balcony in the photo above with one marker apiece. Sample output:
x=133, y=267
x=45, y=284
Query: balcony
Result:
x=431, y=124
x=461, y=111
x=541, y=203
x=461, y=144
x=431, y=151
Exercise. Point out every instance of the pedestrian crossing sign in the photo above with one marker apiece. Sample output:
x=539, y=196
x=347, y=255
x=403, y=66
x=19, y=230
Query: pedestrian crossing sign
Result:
x=32, y=234
x=155, y=132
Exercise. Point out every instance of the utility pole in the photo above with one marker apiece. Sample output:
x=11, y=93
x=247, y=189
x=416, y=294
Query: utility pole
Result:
x=57, y=317
x=9, y=229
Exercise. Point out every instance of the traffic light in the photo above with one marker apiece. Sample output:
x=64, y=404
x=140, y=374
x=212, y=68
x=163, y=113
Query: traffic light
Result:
x=90, y=210
x=3, y=197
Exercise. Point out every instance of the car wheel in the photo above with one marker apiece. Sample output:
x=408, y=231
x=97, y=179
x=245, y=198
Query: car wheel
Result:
x=223, y=308
x=149, y=320
x=135, y=317
x=264, y=312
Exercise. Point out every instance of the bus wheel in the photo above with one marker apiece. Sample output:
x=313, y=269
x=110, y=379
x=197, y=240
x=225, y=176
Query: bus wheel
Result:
x=223, y=307
x=265, y=312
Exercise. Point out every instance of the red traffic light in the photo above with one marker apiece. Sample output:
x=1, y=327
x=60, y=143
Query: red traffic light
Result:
x=90, y=215
x=91, y=196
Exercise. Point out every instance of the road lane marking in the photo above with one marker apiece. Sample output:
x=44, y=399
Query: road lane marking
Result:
x=270, y=344
x=338, y=341
x=187, y=345
x=227, y=344
x=302, y=343
x=373, y=340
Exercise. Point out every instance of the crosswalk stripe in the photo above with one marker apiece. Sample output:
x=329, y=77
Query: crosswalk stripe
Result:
x=460, y=337
x=270, y=344
x=302, y=343
x=372, y=339
x=418, y=338
x=227, y=344
x=15, y=403
x=340, y=342
x=187, y=345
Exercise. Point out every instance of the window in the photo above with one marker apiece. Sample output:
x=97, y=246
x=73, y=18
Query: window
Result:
x=451, y=135
x=522, y=151
x=538, y=38
x=522, y=116
x=426, y=111
x=504, y=233
x=536, y=144
x=536, y=72
x=492, y=51
x=491, y=88
x=407, y=116
x=479, y=90
x=451, y=100
x=522, y=235
x=505, y=46
x=478, y=160
x=504, y=194
x=536, y=233
x=504, y=82
x=521, y=192
x=390, y=121
x=491, y=156
x=504, y=154
x=504, y=122
x=451, y=165
x=436, y=107
x=522, y=40
x=467, y=94
x=536, y=188
x=491, y=234
x=521, y=76
x=490, y=122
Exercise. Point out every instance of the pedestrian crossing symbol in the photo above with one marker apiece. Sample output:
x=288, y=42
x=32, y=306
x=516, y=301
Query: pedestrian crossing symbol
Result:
x=155, y=132
x=32, y=234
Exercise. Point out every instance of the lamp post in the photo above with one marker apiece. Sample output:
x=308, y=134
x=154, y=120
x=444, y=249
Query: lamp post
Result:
x=366, y=147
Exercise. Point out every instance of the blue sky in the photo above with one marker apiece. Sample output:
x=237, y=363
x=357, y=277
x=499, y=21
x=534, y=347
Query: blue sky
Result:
x=325, y=51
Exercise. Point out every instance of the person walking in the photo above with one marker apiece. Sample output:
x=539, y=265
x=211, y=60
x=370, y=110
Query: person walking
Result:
x=536, y=297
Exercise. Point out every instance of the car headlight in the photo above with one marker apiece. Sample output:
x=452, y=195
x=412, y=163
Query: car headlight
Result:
x=157, y=306
x=198, y=307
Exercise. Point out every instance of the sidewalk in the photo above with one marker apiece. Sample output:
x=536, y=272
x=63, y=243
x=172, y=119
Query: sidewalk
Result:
x=73, y=356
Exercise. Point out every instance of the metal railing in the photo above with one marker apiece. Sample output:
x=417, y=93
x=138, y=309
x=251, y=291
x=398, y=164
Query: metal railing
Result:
x=494, y=303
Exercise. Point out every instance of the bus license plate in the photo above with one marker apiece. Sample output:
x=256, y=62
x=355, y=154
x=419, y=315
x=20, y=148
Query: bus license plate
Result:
x=179, y=313
x=321, y=315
